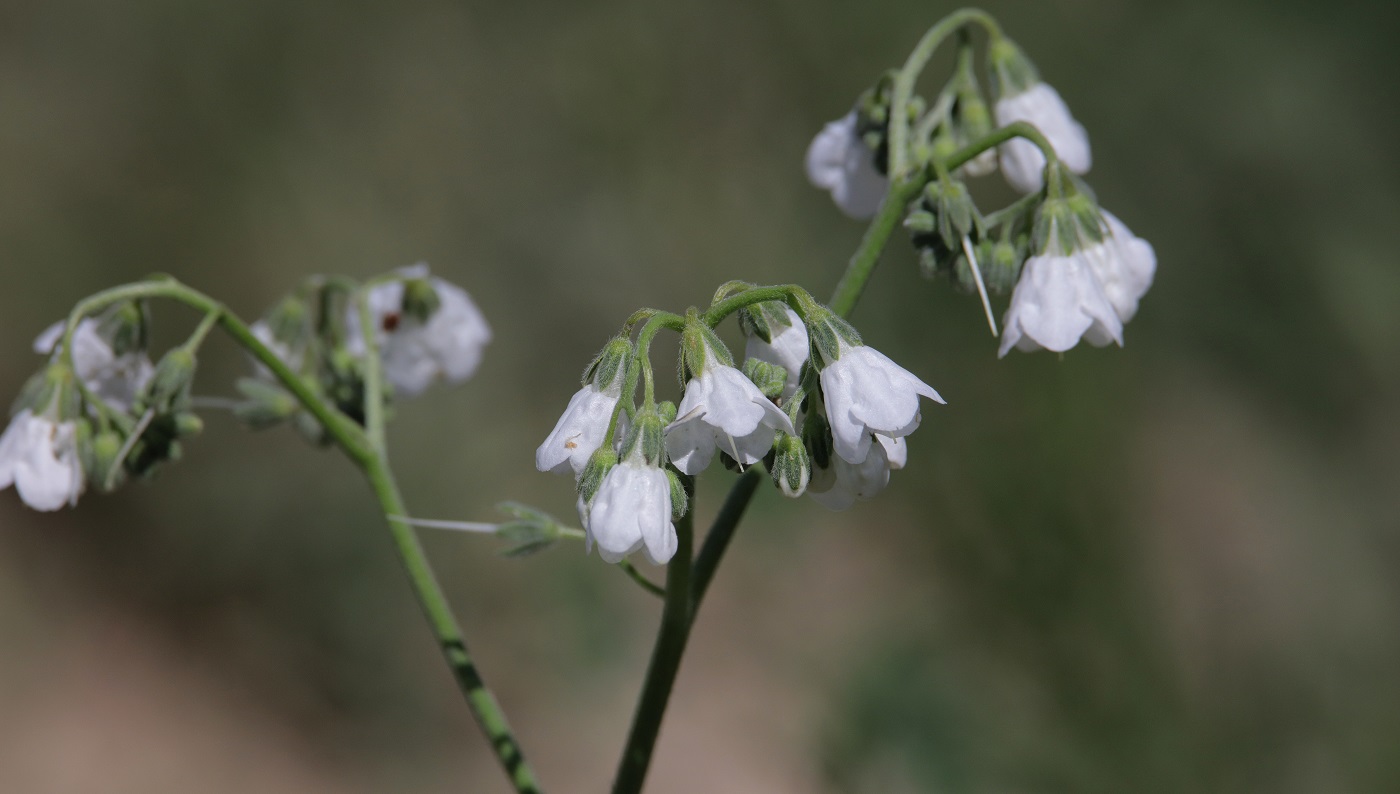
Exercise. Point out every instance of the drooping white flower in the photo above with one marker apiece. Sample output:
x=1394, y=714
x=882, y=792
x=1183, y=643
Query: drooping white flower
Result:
x=116, y=379
x=1124, y=264
x=838, y=161
x=866, y=393
x=1057, y=302
x=39, y=456
x=722, y=408
x=841, y=483
x=631, y=511
x=1022, y=162
x=581, y=430
x=415, y=352
x=789, y=350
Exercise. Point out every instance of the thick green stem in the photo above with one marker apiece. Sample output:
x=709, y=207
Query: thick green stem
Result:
x=665, y=658
x=482, y=702
x=862, y=264
x=374, y=374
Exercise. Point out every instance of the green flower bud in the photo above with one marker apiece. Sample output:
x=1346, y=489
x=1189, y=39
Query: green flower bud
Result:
x=792, y=466
x=420, y=299
x=267, y=405
x=599, y=464
x=679, y=503
x=769, y=378
x=170, y=386
x=609, y=367
x=105, y=448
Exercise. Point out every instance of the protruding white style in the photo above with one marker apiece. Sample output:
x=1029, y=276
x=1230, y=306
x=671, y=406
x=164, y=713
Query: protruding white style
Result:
x=415, y=354
x=39, y=456
x=865, y=392
x=117, y=380
x=580, y=431
x=1058, y=301
x=631, y=511
x=722, y=408
x=838, y=161
x=1021, y=161
x=838, y=486
x=1124, y=265
x=789, y=350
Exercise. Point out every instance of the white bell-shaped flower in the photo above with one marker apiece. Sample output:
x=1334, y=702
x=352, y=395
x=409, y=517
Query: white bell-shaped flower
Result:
x=865, y=392
x=789, y=350
x=580, y=431
x=116, y=379
x=839, y=162
x=841, y=483
x=1124, y=264
x=39, y=457
x=415, y=352
x=1058, y=301
x=1022, y=162
x=722, y=408
x=631, y=511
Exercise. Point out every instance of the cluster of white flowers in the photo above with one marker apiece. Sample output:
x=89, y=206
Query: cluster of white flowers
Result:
x=444, y=338
x=852, y=427
x=40, y=450
x=1084, y=283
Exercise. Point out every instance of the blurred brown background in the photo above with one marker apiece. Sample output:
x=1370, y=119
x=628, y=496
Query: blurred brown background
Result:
x=1170, y=568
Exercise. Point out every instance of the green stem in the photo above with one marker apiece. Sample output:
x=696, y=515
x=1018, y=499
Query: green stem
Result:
x=677, y=618
x=374, y=376
x=862, y=264
x=913, y=66
x=721, y=531
x=665, y=658
x=482, y=702
x=357, y=446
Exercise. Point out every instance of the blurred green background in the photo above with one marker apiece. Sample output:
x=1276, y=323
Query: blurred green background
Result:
x=1169, y=568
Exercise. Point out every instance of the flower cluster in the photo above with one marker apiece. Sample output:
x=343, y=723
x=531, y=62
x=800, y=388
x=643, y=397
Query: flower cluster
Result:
x=827, y=414
x=1074, y=271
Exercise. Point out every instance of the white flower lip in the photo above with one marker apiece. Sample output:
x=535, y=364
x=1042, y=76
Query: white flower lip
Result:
x=789, y=350
x=631, y=511
x=1057, y=302
x=579, y=432
x=842, y=483
x=1124, y=266
x=839, y=162
x=415, y=354
x=40, y=458
x=722, y=408
x=1022, y=162
x=866, y=393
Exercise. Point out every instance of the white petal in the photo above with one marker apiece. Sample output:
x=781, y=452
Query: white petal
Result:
x=44, y=459
x=633, y=508
x=1041, y=105
x=1057, y=301
x=578, y=433
x=690, y=445
x=839, y=162
x=789, y=350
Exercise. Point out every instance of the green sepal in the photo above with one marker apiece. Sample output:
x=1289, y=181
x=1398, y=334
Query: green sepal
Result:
x=1012, y=72
x=267, y=405
x=599, y=464
x=531, y=530
x=609, y=367
x=764, y=320
x=699, y=342
x=170, y=386
x=420, y=299
x=105, y=447
x=679, y=502
x=125, y=327
x=816, y=437
x=827, y=333
x=667, y=411
x=646, y=437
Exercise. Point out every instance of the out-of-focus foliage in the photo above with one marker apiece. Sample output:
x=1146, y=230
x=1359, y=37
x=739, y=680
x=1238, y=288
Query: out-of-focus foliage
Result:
x=1168, y=568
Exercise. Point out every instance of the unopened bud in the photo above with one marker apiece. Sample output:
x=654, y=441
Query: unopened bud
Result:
x=770, y=378
x=420, y=299
x=679, y=502
x=792, y=466
x=170, y=386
